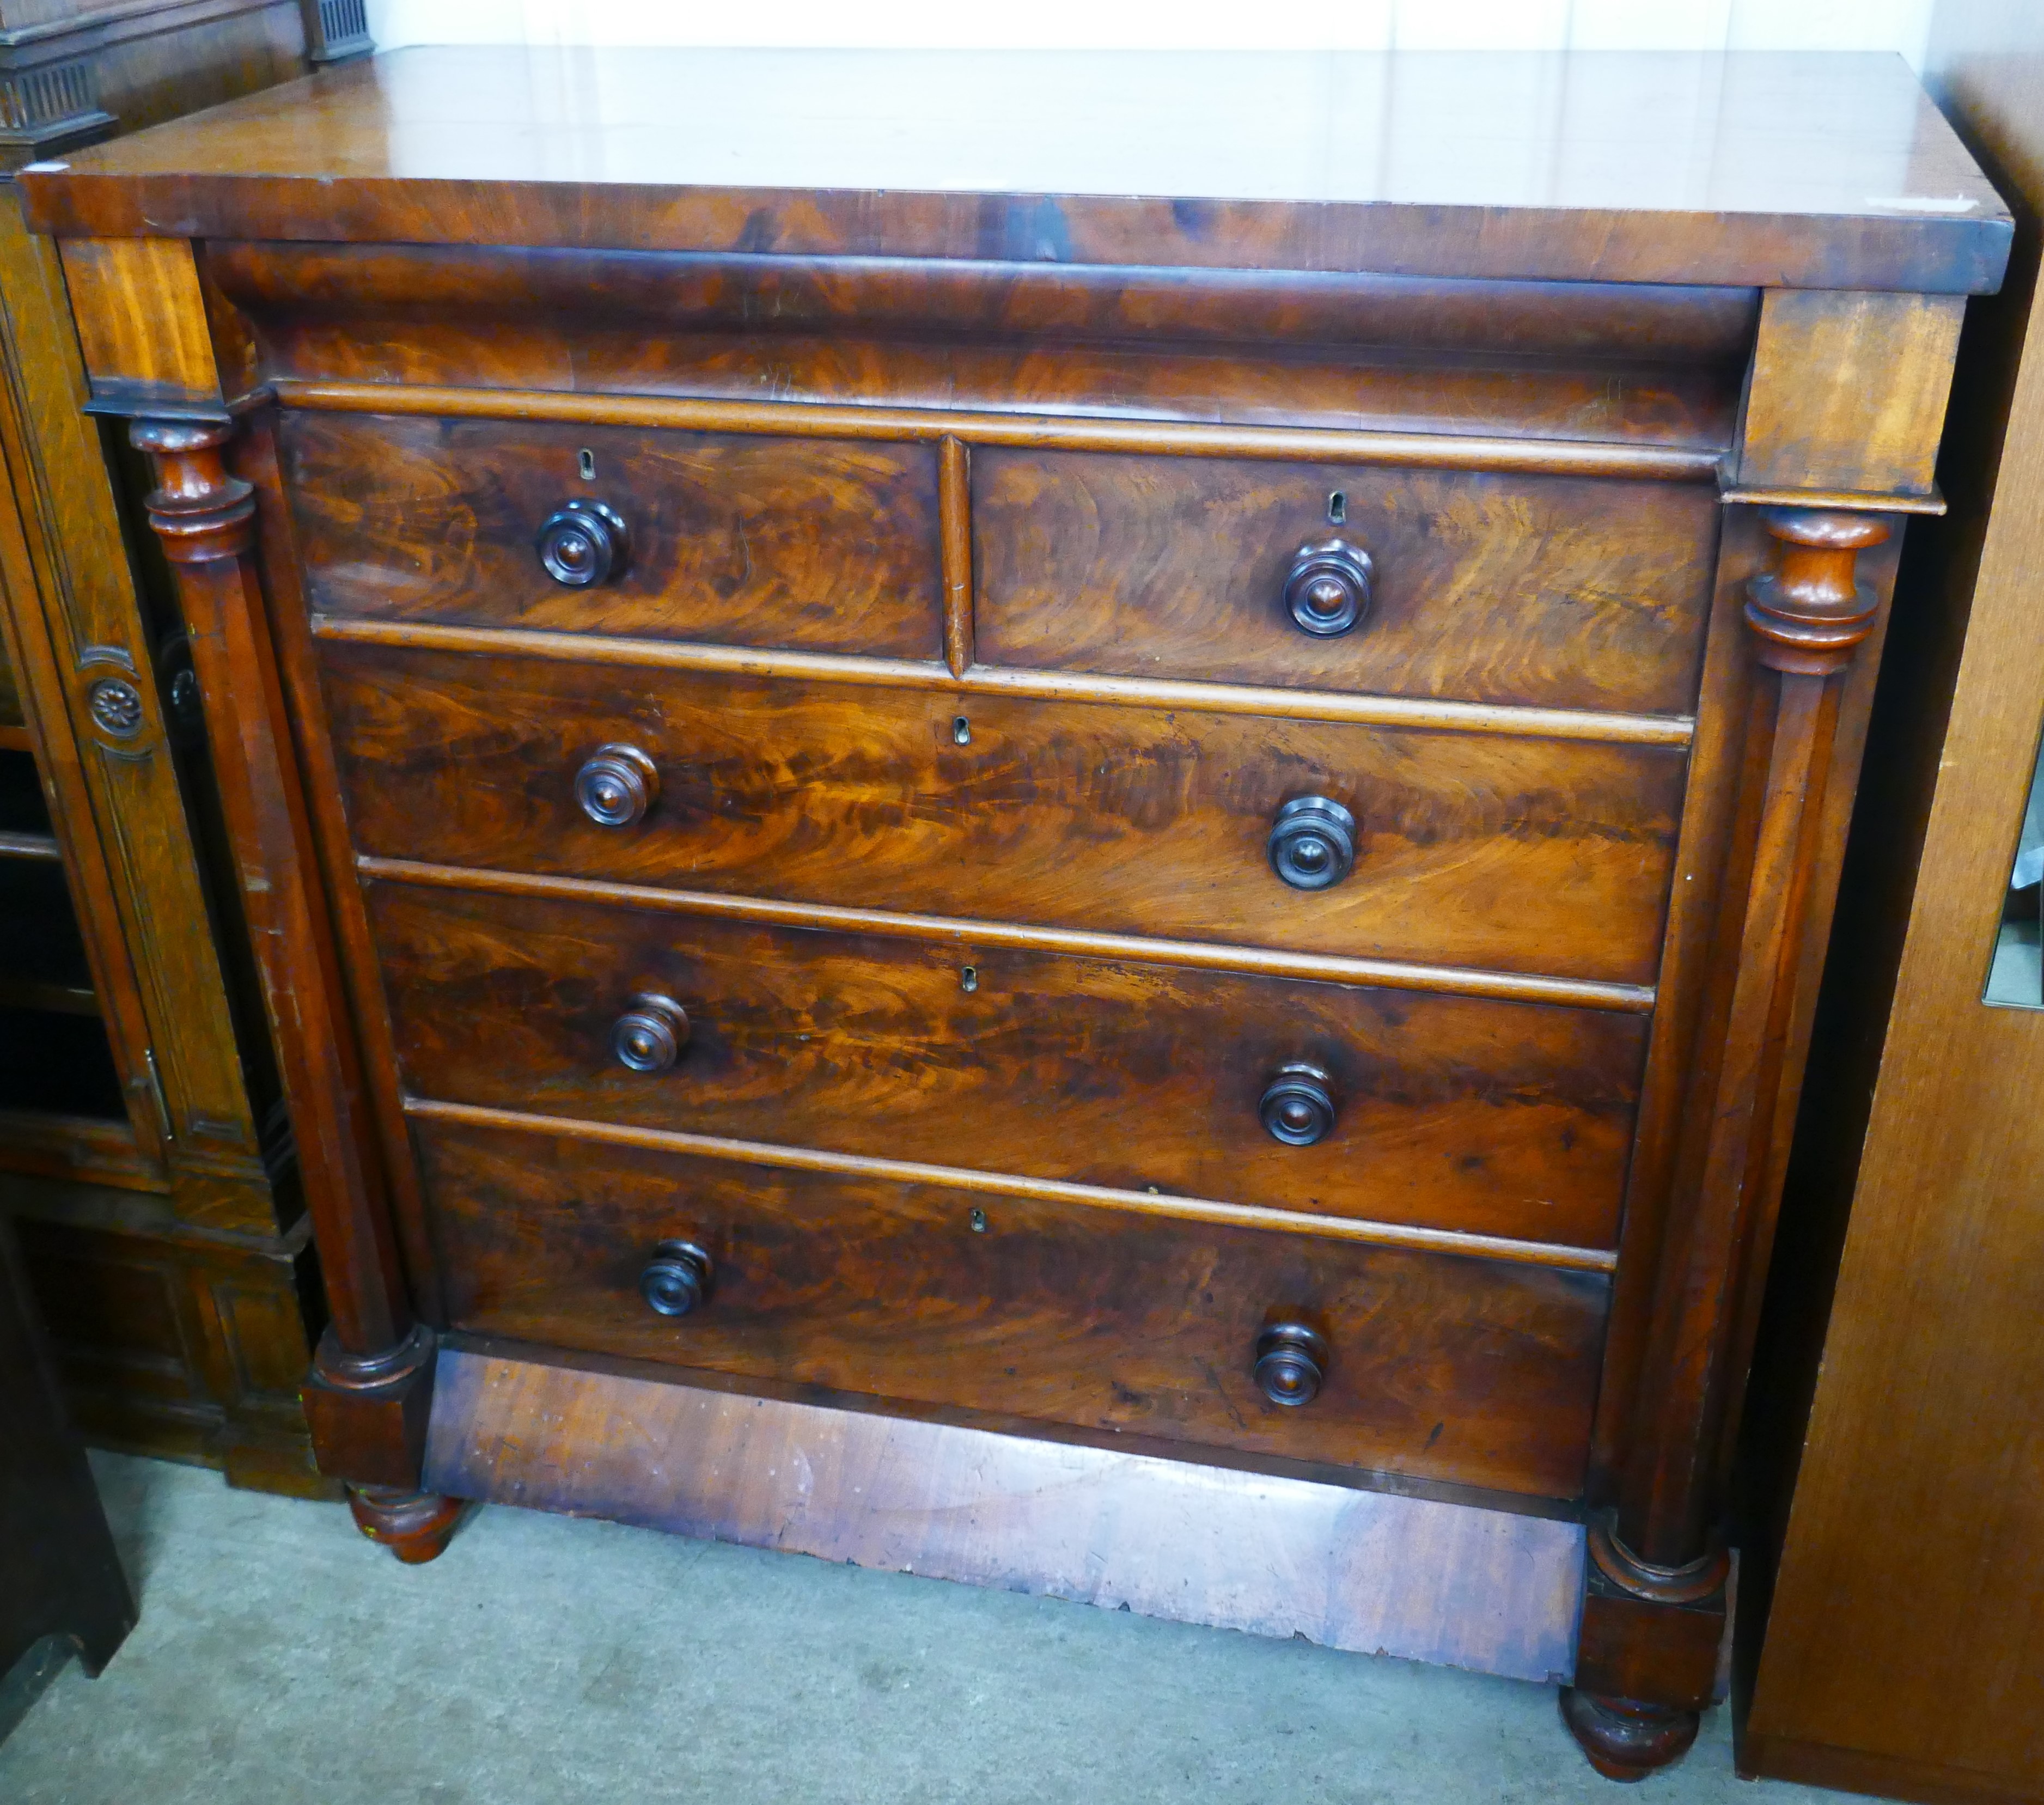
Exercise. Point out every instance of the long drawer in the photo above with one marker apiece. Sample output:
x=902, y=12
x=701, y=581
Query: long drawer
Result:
x=1499, y=1118
x=732, y=538
x=1470, y=849
x=1568, y=592
x=1442, y=1368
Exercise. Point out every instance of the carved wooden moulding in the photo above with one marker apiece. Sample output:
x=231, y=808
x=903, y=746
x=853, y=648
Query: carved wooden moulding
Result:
x=1183, y=842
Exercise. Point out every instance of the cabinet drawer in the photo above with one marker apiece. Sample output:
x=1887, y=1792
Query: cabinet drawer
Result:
x=731, y=539
x=1470, y=849
x=1565, y=592
x=1439, y=1367
x=1498, y=1117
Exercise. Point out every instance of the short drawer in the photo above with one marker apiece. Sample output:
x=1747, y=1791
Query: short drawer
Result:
x=1469, y=849
x=1565, y=592
x=1477, y=1371
x=1452, y=1112
x=731, y=539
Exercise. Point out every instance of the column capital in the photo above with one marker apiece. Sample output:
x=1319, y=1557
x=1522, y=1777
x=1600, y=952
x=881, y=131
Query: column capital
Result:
x=200, y=512
x=1810, y=613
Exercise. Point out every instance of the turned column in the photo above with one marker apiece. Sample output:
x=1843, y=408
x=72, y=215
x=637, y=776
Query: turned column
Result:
x=371, y=1379
x=1654, y=1606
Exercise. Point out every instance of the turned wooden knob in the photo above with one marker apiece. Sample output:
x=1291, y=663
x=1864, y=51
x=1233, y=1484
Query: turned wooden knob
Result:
x=616, y=785
x=582, y=544
x=1326, y=591
x=1298, y=1108
x=1291, y=1361
x=650, y=1035
x=677, y=1279
x=1312, y=842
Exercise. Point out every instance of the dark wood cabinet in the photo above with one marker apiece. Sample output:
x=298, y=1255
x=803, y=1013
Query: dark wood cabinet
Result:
x=61, y=1576
x=1056, y=828
x=144, y=1147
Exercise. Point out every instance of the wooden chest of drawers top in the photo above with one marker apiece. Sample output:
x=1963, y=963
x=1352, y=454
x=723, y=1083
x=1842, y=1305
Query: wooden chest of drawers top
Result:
x=1103, y=767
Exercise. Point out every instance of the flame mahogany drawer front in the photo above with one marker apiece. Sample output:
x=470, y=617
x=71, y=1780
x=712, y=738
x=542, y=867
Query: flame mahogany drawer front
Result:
x=1074, y=806
x=1501, y=850
x=728, y=538
x=1450, y=1111
x=1436, y=1366
x=1566, y=592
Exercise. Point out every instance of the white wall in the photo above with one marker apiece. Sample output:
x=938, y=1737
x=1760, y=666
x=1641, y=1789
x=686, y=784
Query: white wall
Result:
x=1901, y=25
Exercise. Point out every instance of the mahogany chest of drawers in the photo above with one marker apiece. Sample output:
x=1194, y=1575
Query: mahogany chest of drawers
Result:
x=881, y=781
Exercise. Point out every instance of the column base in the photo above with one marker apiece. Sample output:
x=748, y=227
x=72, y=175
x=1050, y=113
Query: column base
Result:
x=1626, y=1740
x=415, y=1526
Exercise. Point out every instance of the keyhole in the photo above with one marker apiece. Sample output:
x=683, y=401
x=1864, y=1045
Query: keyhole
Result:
x=969, y=979
x=1338, y=507
x=979, y=1222
x=961, y=731
x=585, y=463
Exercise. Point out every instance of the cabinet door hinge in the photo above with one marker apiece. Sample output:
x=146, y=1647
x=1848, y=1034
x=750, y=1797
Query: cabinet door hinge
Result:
x=156, y=1091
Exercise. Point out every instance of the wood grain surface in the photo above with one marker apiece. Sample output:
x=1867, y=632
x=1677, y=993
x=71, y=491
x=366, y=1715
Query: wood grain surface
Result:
x=1560, y=592
x=733, y=538
x=1813, y=421
x=1497, y=1118
x=1418, y=1578
x=1651, y=168
x=141, y=320
x=1464, y=1371
x=1041, y=428
x=1522, y=854
x=1902, y=1651
x=1644, y=364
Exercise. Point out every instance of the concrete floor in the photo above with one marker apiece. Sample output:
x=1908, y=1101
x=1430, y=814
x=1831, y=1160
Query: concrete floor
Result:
x=281, y=1660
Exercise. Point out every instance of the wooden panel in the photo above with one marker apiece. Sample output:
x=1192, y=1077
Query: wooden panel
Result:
x=1368, y=1571
x=1444, y=1369
x=1848, y=391
x=1901, y=1650
x=141, y=320
x=145, y=74
x=1035, y=431
x=126, y=809
x=1498, y=1117
x=1478, y=849
x=734, y=540
x=1600, y=168
x=183, y=1347
x=1556, y=591
x=1619, y=363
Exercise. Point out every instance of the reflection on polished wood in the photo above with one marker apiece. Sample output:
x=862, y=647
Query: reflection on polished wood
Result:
x=1817, y=171
x=964, y=932
x=1146, y=1202
x=1186, y=721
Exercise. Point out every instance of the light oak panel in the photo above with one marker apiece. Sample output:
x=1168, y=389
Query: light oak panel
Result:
x=141, y=320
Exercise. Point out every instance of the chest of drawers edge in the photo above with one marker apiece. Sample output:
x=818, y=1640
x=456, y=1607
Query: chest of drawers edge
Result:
x=1834, y=449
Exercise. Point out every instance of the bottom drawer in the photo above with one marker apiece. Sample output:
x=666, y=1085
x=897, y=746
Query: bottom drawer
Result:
x=1475, y=1372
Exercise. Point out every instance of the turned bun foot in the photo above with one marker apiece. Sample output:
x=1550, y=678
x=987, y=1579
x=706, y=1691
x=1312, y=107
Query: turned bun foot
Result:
x=415, y=1526
x=1626, y=1740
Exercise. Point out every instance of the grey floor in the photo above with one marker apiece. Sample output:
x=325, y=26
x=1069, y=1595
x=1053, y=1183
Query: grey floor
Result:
x=281, y=1660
